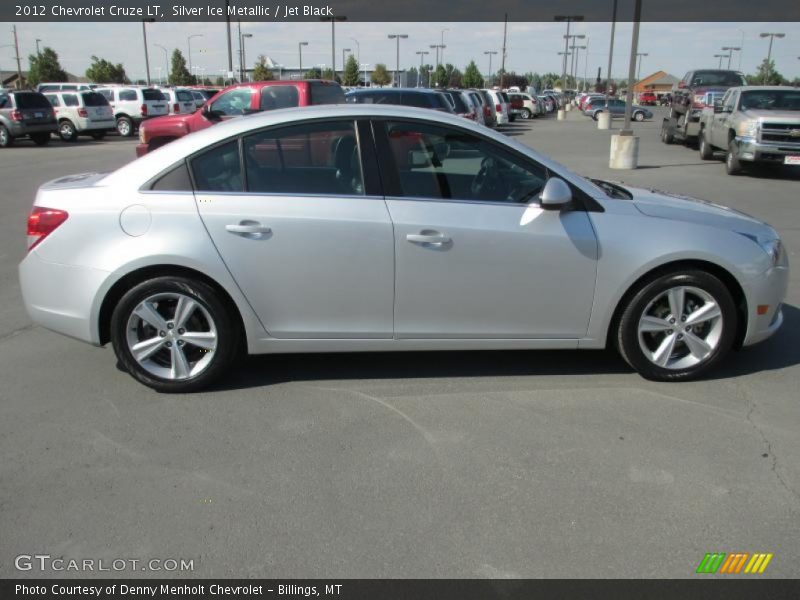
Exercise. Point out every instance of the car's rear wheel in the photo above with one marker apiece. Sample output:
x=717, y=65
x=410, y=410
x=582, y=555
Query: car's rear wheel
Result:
x=124, y=126
x=67, y=131
x=638, y=116
x=40, y=139
x=596, y=115
x=706, y=151
x=525, y=114
x=6, y=139
x=733, y=165
x=174, y=334
x=678, y=325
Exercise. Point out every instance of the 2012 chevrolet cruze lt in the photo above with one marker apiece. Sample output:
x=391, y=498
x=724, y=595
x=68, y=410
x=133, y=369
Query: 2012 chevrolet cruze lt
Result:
x=374, y=228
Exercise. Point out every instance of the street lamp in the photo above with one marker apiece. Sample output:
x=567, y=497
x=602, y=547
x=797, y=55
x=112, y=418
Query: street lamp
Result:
x=574, y=60
x=639, y=55
x=242, y=38
x=146, y=57
x=300, y=51
x=720, y=57
x=731, y=50
x=398, y=37
x=771, y=37
x=442, y=46
x=364, y=66
x=189, y=42
x=37, y=47
x=577, y=64
x=569, y=19
x=333, y=38
x=422, y=54
x=490, y=53
x=166, y=59
x=343, y=52
x=358, y=50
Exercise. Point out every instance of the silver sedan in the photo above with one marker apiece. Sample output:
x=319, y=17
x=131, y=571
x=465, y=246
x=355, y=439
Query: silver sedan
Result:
x=385, y=228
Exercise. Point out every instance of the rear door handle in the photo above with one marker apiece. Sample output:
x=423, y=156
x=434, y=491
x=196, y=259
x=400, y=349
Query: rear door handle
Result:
x=248, y=228
x=428, y=237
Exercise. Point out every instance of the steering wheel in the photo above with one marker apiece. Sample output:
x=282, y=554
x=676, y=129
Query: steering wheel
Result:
x=487, y=180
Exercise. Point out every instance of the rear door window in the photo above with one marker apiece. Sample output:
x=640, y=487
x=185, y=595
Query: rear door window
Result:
x=70, y=99
x=108, y=94
x=279, y=96
x=218, y=169
x=326, y=93
x=127, y=95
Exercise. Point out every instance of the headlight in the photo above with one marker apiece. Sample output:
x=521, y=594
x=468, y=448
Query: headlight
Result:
x=774, y=249
x=747, y=129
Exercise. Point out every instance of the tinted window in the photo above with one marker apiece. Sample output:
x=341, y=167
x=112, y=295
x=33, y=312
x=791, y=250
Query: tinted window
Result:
x=69, y=88
x=421, y=100
x=108, y=94
x=53, y=99
x=31, y=100
x=93, y=99
x=788, y=99
x=218, y=169
x=151, y=94
x=70, y=99
x=49, y=88
x=279, y=96
x=458, y=102
x=4, y=100
x=721, y=78
x=442, y=163
x=326, y=93
x=310, y=158
x=175, y=180
x=233, y=103
x=184, y=96
x=127, y=95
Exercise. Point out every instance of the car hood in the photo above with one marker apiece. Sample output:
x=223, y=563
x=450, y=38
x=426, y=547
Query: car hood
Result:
x=167, y=121
x=792, y=116
x=664, y=205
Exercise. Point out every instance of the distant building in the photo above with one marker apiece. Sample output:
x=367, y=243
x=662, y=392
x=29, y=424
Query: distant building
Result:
x=659, y=83
x=294, y=72
x=10, y=79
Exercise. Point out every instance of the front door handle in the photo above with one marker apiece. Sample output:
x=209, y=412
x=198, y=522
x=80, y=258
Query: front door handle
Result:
x=248, y=227
x=428, y=237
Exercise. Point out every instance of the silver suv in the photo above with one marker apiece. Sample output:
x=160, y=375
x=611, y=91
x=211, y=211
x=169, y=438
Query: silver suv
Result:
x=25, y=114
x=133, y=104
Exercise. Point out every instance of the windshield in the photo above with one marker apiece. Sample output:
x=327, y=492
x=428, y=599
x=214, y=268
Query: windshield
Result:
x=612, y=190
x=721, y=78
x=770, y=100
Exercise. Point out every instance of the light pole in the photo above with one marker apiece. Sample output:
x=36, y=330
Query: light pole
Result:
x=422, y=54
x=242, y=38
x=189, y=42
x=490, y=53
x=577, y=64
x=398, y=37
x=585, y=65
x=574, y=60
x=771, y=37
x=731, y=50
x=611, y=51
x=364, y=66
x=333, y=38
x=358, y=50
x=639, y=55
x=166, y=59
x=37, y=47
x=300, y=52
x=442, y=46
x=343, y=53
x=720, y=57
x=741, y=49
x=146, y=56
x=569, y=19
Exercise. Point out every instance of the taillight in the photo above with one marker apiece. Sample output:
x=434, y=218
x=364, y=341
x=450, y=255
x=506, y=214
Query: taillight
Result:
x=82, y=112
x=42, y=222
x=176, y=107
x=144, y=110
x=498, y=108
x=486, y=111
x=16, y=115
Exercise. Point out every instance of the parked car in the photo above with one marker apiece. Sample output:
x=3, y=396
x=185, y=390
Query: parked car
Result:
x=202, y=95
x=133, y=105
x=235, y=101
x=648, y=99
x=263, y=235
x=617, y=109
x=420, y=98
x=26, y=114
x=498, y=105
x=180, y=101
x=550, y=103
x=753, y=125
x=65, y=87
x=478, y=103
x=525, y=106
x=589, y=98
x=489, y=112
x=81, y=113
x=462, y=106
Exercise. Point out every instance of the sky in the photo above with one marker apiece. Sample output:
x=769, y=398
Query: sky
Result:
x=671, y=47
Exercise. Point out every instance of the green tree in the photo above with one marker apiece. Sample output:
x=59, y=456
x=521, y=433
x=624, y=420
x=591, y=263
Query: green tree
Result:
x=103, y=71
x=331, y=76
x=472, y=76
x=536, y=82
x=425, y=76
x=411, y=77
x=456, y=79
x=219, y=82
x=766, y=75
x=313, y=74
x=45, y=67
x=351, y=71
x=439, y=78
x=179, y=74
x=261, y=72
x=380, y=76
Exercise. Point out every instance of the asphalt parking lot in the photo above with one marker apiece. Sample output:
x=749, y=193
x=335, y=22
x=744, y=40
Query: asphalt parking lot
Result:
x=504, y=464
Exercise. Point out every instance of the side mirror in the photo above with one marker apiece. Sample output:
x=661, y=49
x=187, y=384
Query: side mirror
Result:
x=209, y=114
x=555, y=195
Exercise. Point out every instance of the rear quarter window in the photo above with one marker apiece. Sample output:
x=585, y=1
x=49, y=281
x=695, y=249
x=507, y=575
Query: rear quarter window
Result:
x=127, y=95
x=326, y=93
x=184, y=96
x=279, y=96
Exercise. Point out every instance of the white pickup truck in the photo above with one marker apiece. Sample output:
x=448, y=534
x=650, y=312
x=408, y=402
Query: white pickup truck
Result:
x=753, y=124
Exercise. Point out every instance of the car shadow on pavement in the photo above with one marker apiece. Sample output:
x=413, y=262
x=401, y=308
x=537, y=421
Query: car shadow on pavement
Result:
x=778, y=352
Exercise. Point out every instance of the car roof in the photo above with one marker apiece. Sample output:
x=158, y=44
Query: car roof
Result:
x=391, y=91
x=764, y=88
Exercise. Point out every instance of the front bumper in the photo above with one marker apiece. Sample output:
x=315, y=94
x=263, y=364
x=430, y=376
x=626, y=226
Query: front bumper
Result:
x=751, y=150
x=768, y=290
x=141, y=150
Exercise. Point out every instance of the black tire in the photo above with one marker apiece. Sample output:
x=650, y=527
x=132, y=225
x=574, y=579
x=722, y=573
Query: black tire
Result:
x=596, y=115
x=228, y=334
x=40, y=139
x=650, y=290
x=6, y=139
x=638, y=116
x=666, y=134
x=525, y=114
x=706, y=149
x=67, y=131
x=733, y=165
x=98, y=135
x=125, y=127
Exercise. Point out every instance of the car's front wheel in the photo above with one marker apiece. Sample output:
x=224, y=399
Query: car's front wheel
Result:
x=676, y=326
x=638, y=116
x=174, y=334
x=733, y=165
x=706, y=151
x=6, y=139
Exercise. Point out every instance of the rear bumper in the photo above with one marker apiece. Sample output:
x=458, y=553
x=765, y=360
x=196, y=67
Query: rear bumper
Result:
x=752, y=150
x=21, y=129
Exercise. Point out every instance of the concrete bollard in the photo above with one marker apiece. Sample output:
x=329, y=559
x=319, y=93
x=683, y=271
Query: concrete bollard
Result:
x=624, y=152
x=604, y=120
x=568, y=107
x=562, y=114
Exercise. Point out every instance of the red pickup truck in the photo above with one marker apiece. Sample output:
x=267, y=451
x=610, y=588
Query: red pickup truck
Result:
x=235, y=101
